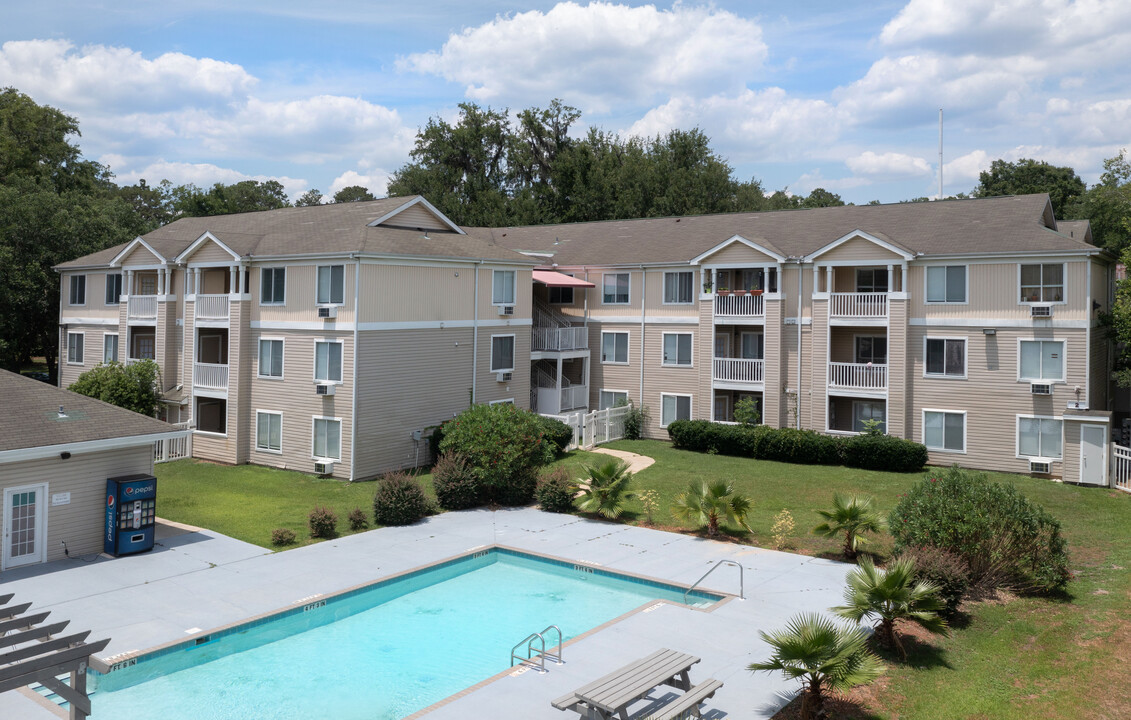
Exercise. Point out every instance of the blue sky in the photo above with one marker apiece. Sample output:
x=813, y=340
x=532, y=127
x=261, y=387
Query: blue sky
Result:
x=839, y=95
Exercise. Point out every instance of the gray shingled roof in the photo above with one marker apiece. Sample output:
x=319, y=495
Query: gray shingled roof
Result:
x=31, y=416
x=961, y=227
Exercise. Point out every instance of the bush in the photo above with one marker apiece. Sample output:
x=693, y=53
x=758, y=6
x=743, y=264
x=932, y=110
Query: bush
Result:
x=746, y=412
x=884, y=452
x=944, y=570
x=358, y=519
x=807, y=447
x=282, y=536
x=557, y=433
x=1003, y=538
x=634, y=423
x=399, y=500
x=455, y=484
x=705, y=436
x=323, y=523
x=504, y=446
x=136, y=386
x=555, y=491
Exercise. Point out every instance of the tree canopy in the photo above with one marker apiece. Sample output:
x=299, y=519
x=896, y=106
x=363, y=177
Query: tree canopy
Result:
x=1027, y=176
x=133, y=387
x=353, y=193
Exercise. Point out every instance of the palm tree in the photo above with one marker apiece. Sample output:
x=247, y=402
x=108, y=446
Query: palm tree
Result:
x=890, y=595
x=707, y=503
x=853, y=516
x=823, y=656
x=610, y=484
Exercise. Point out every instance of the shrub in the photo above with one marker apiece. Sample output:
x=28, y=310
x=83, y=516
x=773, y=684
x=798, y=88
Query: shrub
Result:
x=323, y=523
x=634, y=422
x=884, y=452
x=710, y=504
x=136, y=386
x=608, y=487
x=650, y=501
x=399, y=500
x=782, y=529
x=943, y=569
x=455, y=484
x=504, y=446
x=555, y=491
x=557, y=433
x=282, y=536
x=746, y=412
x=435, y=438
x=358, y=519
x=807, y=447
x=853, y=516
x=705, y=436
x=1003, y=537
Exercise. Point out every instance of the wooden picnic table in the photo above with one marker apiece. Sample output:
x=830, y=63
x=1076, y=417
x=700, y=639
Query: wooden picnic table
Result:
x=612, y=694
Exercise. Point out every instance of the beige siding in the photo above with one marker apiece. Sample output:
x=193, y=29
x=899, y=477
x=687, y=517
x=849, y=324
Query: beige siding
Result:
x=860, y=250
x=739, y=255
x=215, y=281
x=813, y=399
x=1100, y=391
x=898, y=356
x=774, y=370
x=140, y=256
x=675, y=380
x=399, y=293
x=654, y=301
x=210, y=252
x=488, y=311
x=994, y=293
x=607, y=376
x=301, y=296
x=597, y=309
x=95, y=306
x=417, y=216
x=92, y=351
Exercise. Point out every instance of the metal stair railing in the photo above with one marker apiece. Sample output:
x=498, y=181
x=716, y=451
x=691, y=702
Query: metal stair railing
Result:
x=741, y=579
x=541, y=653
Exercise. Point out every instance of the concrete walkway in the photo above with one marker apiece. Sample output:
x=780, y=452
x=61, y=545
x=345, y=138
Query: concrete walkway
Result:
x=200, y=580
x=636, y=462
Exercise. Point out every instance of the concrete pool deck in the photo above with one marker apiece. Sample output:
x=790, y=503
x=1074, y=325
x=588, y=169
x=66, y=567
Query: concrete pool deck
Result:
x=200, y=580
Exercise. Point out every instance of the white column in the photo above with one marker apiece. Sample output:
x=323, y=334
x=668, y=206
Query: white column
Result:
x=588, y=392
x=558, y=387
x=766, y=279
x=829, y=279
x=234, y=283
x=903, y=277
x=129, y=282
x=816, y=278
x=891, y=279
x=160, y=281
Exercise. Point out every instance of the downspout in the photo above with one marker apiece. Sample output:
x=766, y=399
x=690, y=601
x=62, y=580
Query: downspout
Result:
x=1089, y=312
x=475, y=333
x=643, y=288
x=353, y=411
x=800, y=296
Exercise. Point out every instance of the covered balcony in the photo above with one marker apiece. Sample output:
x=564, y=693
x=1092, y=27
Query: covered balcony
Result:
x=738, y=292
x=858, y=360
x=210, y=368
x=858, y=294
x=559, y=387
x=738, y=362
x=866, y=377
x=141, y=289
x=212, y=288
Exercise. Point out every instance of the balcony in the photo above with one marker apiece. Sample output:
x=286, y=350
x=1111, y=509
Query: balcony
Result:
x=739, y=370
x=870, y=305
x=211, y=307
x=860, y=377
x=210, y=376
x=142, y=307
x=739, y=306
x=560, y=339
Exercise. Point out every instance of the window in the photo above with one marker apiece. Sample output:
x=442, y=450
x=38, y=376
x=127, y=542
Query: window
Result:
x=611, y=398
x=863, y=411
x=269, y=431
x=1042, y=283
x=872, y=349
x=722, y=408
x=946, y=357
x=614, y=347
x=561, y=295
x=1039, y=437
x=273, y=286
x=502, y=353
x=502, y=287
x=147, y=284
x=944, y=430
x=331, y=284
x=328, y=438
x=614, y=288
x=674, y=407
x=327, y=360
x=677, y=349
x=871, y=280
x=109, y=348
x=74, y=348
x=753, y=346
x=946, y=284
x=271, y=358
x=678, y=287
x=78, y=290
x=508, y=401
x=113, y=288
x=1042, y=360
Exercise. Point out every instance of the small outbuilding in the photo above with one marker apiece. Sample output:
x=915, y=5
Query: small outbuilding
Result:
x=57, y=450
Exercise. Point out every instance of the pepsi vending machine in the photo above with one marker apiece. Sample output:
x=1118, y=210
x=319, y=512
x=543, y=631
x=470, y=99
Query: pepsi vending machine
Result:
x=131, y=510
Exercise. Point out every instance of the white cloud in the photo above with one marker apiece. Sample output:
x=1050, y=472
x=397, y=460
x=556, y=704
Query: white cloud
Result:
x=965, y=169
x=203, y=175
x=810, y=181
x=888, y=166
x=377, y=182
x=600, y=55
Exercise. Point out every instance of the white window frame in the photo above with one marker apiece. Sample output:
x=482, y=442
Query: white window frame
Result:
x=668, y=275
x=106, y=290
x=872, y=269
x=282, y=303
x=1017, y=436
x=504, y=401
x=946, y=267
x=82, y=354
x=71, y=283
x=965, y=357
x=514, y=287
x=628, y=301
x=314, y=370
x=602, y=391
x=627, y=347
x=270, y=450
x=117, y=348
x=317, y=272
x=1064, y=284
x=282, y=357
x=691, y=351
x=1063, y=361
x=514, y=353
x=313, y=431
x=965, y=430
x=690, y=406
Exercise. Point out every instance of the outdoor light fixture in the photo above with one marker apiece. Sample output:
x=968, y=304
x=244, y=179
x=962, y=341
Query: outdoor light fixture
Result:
x=989, y=331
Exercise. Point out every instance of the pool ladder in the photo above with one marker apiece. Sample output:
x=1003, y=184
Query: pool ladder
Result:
x=540, y=653
x=741, y=580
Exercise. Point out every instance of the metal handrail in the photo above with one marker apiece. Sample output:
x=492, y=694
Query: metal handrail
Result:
x=541, y=653
x=741, y=579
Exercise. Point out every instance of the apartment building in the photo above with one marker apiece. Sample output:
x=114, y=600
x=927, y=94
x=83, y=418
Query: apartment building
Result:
x=331, y=338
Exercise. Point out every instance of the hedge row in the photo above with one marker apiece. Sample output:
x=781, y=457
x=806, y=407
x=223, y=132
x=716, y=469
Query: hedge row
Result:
x=807, y=447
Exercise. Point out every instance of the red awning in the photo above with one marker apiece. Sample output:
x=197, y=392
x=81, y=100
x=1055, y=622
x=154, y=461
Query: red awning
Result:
x=557, y=279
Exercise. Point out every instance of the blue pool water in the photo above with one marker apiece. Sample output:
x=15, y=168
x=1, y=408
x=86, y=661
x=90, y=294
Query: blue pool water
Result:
x=381, y=652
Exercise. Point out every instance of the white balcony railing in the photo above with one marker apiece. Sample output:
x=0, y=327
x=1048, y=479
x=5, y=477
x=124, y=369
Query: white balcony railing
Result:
x=212, y=307
x=142, y=307
x=739, y=370
x=574, y=396
x=560, y=338
x=858, y=376
x=740, y=305
x=210, y=376
x=858, y=305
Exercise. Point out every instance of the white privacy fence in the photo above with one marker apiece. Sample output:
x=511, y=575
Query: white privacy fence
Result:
x=599, y=426
x=1121, y=467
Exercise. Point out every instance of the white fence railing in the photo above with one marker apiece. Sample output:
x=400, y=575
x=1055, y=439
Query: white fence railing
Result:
x=741, y=305
x=858, y=305
x=560, y=338
x=739, y=370
x=1121, y=467
x=599, y=426
x=210, y=376
x=175, y=449
x=858, y=376
x=212, y=307
x=575, y=396
x=142, y=307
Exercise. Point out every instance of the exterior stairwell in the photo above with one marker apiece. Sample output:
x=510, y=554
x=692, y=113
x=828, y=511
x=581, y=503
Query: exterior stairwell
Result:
x=555, y=332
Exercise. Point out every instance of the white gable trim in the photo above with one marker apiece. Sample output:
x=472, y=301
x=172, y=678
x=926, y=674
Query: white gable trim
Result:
x=200, y=241
x=130, y=248
x=861, y=234
x=431, y=208
x=738, y=239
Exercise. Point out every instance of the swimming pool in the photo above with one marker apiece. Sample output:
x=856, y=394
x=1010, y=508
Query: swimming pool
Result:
x=382, y=651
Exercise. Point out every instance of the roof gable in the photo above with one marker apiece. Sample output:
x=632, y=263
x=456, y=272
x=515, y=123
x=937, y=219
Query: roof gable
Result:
x=869, y=237
x=138, y=244
x=206, y=240
x=420, y=204
x=741, y=241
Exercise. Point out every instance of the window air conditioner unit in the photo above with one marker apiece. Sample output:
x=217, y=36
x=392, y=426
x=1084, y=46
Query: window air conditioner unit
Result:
x=1042, y=467
x=1041, y=389
x=324, y=389
x=504, y=376
x=1040, y=311
x=323, y=468
x=506, y=309
x=327, y=313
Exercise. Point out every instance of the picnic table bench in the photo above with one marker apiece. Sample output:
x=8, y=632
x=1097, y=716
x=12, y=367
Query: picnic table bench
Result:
x=611, y=695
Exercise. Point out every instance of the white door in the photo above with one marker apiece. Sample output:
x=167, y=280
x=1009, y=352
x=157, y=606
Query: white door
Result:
x=25, y=526
x=1093, y=454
